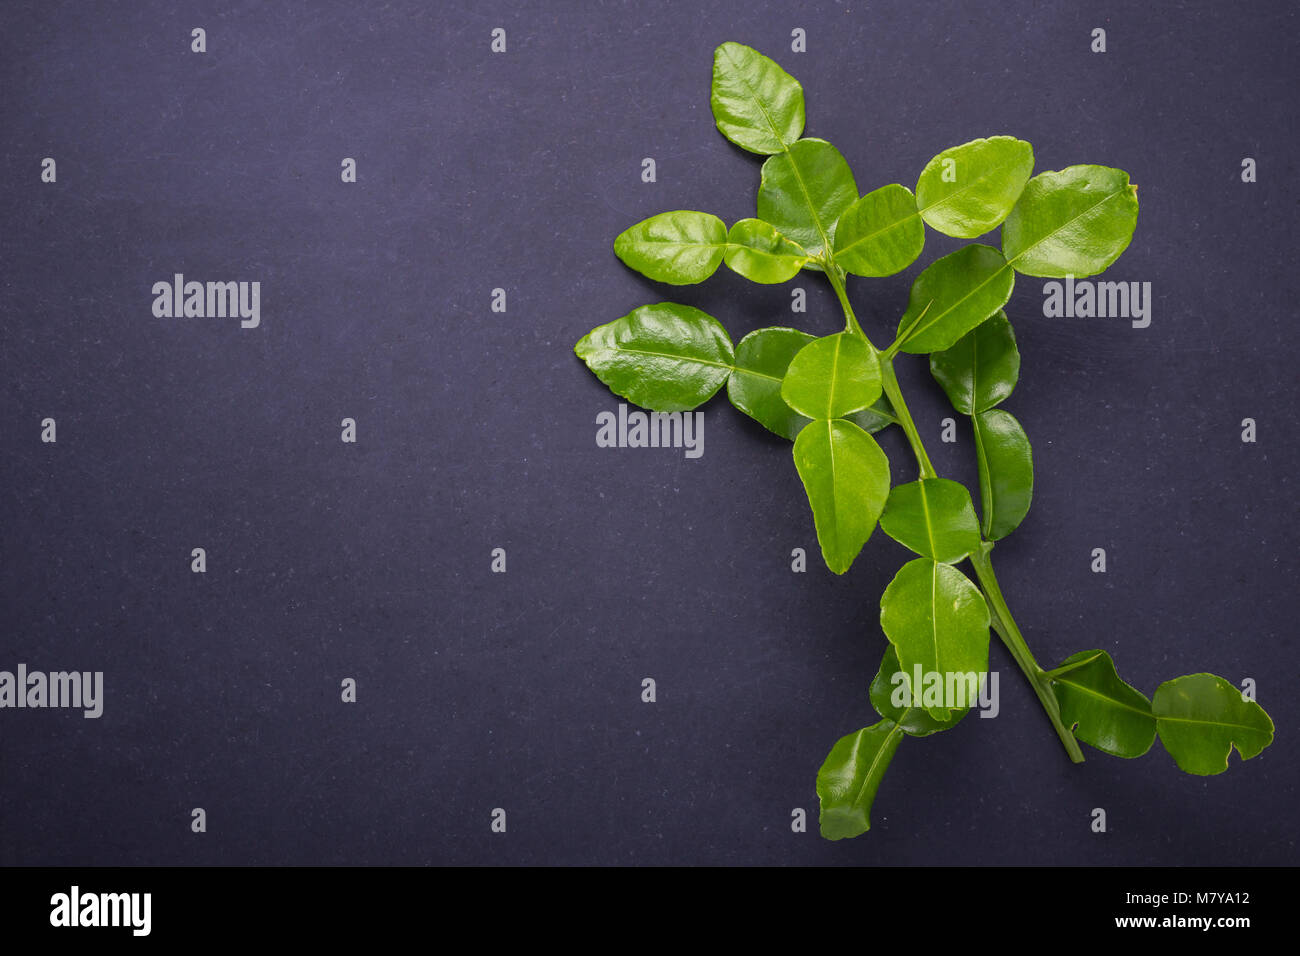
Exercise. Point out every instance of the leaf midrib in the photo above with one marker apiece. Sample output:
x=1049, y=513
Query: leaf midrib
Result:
x=1037, y=242
x=918, y=329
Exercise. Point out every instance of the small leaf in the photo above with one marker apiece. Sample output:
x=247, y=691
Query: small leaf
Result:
x=1075, y=222
x=934, y=517
x=880, y=234
x=664, y=357
x=680, y=247
x=952, y=296
x=982, y=368
x=1202, y=717
x=879, y=415
x=967, y=190
x=850, y=776
x=832, y=376
x=937, y=619
x=761, y=254
x=892, y=683
x=755, y=386
x=756, y=104
x=804, y=191
x=1006, y=469
x=1101, y=709
x=846, y=477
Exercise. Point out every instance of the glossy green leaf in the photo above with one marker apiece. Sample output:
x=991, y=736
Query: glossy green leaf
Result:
x=846, y=477
x=1101, y=709
x=678, y=247
x=804, y=191
x=982, y=368
x=761, y=254
x=1201, y=717
x=755, y=386
x=663, y=357
x=1006, y=469
x=832, y=376
x=934, y=517
x=850, y=776
x=937, y=619
x=967, y=190
x=952, y=296
x=1075, y=222
x=756, y=104
x=892, y=696
x=879, y=415
x=880, y=234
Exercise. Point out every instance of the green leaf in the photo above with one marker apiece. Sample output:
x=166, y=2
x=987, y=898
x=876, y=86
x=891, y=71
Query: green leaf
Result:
x=832, y=376
x=761, y=254
x=755, y=386
x=1006, y=469
x=879, y=415
x=846, y=477
x=1101, y=709
x=982, y=368
x=1202, y=717
x=967, y=190
x=804, y=191
x=891, y=695
x=1075, y=222
x=680, y=247
x=664, y=357
x=952, y=296
x=850, y=776
x=756, y=104
x=934, y=517
x=937, y=619
x=880, y=234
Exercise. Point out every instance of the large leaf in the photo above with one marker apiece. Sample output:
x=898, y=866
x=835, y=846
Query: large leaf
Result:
x=982, y=368
x=880, y=234
x=934, y=517
x=1075, y=222
x=1202, y=717
x=678, y=247
x=892, y=696
x=1006, y=469
x=755, y=386
x=937, y=619
x=967, y=190
x=846, y=477
x=761, y=254
x=1101, y=709
x=804, y=191
x=832, y=376
x=756, y=104
x=849, y=778
x=664, y=357
x=952, y=296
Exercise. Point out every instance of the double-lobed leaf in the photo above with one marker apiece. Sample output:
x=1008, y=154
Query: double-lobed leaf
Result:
x=1201, y=718
x=937, y=620
x=664, y=357
x=850, y=776
x=756, y=104
x=803, y=192
x=934, y=517
x=880, y=233
x=981, y=369
x=1074, y=222
x=1100, y=708
x=846, y=478
x=755, y=250
x=952, y=296
x=832, y=377
x=894, y=698
x=679, y=247
x=967, y=190
x=1006, y=470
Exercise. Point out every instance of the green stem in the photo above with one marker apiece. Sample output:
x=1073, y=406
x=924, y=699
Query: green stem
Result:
x=836, y=275
x=895, y=395
x=1006, y=628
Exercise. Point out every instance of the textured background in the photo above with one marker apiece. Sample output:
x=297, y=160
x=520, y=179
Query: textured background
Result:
x=477, y=430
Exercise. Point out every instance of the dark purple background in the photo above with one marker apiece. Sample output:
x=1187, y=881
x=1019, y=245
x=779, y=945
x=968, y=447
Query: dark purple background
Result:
x=477, y=430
